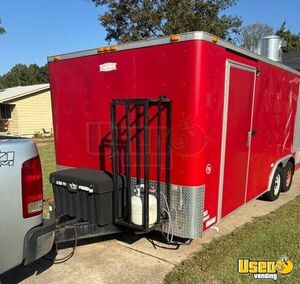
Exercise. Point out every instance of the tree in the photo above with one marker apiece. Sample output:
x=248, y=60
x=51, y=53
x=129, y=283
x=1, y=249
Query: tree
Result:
x=251, y=33
x=2, y=30
x=292, y=39
x=2, y=84
x=23, y=75
x=139, y=19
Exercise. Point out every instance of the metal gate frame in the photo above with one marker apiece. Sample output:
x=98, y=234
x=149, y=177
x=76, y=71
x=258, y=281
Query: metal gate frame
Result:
x=162, y=104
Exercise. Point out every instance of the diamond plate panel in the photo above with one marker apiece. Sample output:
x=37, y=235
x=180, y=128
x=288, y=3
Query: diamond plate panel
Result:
x=186, y=207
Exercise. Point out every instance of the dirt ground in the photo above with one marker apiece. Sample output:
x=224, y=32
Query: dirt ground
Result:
x=128, y=258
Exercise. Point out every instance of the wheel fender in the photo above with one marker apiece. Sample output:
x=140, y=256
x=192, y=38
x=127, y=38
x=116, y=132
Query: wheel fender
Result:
x=282, y=161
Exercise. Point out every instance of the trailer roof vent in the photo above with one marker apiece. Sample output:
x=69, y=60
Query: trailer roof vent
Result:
x=270, y=47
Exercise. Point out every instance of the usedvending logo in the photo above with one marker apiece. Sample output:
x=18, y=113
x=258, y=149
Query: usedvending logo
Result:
x=7, y=158
x=264, y=269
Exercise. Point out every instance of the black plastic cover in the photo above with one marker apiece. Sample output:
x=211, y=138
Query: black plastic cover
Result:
x=99, y=181
x=94, y=204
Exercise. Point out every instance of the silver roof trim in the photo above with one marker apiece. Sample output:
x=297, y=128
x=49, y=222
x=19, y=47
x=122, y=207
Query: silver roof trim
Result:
x=183, y=37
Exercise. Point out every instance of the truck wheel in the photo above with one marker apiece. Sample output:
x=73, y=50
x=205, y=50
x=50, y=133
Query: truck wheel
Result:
x=288, y=172
x=276, y=186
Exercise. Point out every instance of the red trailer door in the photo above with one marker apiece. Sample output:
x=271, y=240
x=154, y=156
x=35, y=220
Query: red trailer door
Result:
x=237, y=120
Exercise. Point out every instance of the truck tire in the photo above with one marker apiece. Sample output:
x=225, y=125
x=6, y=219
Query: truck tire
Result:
x=288, y=172
x=276, y=186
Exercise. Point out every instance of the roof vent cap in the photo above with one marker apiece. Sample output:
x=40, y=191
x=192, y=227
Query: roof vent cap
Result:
x=270, y=47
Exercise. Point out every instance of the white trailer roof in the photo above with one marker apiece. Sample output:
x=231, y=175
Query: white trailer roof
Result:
x=183, y=37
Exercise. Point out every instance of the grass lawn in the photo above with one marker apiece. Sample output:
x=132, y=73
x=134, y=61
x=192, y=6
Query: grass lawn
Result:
x=267, y=238
x=47, y=155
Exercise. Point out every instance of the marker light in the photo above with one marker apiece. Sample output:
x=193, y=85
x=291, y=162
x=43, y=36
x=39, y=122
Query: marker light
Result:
x=100, y=49
x=107, y=48
x=113, y=48
x=214, y=39
x=174, y=37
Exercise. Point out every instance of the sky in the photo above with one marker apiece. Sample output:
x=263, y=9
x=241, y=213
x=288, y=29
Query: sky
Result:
x=40, y=28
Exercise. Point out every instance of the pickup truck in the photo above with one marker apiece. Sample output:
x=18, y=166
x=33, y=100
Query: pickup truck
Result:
x=24, y=235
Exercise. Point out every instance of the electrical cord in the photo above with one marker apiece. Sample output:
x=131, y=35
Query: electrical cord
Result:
x=170, y=232
x=70, y=255
x=169, y=237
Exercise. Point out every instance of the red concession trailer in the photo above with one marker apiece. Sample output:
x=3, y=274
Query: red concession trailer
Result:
x=211, y=125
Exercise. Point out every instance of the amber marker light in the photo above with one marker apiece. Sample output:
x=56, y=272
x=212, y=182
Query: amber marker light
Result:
x=174, y=37
x=113, y=48
x=214, y=39
x=100, y=49
x=107, y=48
x=56, y=57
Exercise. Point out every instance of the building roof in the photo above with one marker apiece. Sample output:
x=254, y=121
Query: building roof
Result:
x=21, y=91
x=292, y=59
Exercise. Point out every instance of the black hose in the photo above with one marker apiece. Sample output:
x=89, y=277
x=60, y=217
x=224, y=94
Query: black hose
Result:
x=177, y=243
x=69, y=256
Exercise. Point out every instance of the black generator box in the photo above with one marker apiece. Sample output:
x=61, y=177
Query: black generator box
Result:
x=86, y=194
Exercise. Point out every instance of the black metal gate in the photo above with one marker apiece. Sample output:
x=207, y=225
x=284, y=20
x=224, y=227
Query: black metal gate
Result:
x=139, y=109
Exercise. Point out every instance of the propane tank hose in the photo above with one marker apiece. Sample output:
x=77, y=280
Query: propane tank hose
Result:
x=170, y=232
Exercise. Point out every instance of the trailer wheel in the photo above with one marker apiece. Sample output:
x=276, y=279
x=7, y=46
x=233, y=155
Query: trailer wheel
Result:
x=276, y=186
x=288, y=172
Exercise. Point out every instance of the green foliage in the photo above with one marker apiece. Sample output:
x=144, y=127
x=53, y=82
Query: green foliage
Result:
x=2, y=30
x=23, y=75
x=251, y=33
x=139, y=19
x=293, y=40
x=38, y=134
x=2, y=83
x=47, y=155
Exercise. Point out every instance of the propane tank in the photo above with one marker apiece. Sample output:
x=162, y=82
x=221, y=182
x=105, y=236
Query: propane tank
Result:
x=137, y=205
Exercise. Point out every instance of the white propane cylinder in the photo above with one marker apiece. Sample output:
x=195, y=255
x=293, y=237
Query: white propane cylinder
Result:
x=137, y=205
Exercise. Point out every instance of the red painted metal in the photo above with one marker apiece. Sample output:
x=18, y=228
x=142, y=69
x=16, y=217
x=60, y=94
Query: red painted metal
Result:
x=191, y=74
x=240, y=94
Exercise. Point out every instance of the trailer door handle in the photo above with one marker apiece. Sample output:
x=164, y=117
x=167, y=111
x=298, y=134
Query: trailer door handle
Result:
x=251, y=134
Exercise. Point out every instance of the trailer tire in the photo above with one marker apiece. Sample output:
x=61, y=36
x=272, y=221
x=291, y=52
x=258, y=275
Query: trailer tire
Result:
x=288, y=172
x=276, y=186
